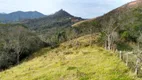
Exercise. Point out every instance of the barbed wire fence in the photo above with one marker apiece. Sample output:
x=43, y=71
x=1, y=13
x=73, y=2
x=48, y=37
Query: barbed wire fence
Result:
x=133, y=61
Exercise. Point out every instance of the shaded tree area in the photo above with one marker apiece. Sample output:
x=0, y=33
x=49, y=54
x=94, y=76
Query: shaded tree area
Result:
x=16, y=43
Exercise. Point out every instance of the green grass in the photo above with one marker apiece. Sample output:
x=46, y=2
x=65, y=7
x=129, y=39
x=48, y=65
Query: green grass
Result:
x=69, y=63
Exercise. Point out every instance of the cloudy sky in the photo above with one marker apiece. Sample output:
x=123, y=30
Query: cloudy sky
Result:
x=81, y=8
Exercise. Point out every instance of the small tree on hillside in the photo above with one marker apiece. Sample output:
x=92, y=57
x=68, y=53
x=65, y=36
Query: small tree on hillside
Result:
x=61, y=37
x=18, y=45
x=20, y=40
x=109, y=29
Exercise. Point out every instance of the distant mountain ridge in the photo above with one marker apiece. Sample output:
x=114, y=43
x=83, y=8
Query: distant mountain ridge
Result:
x=19, y=15
x=59, y=18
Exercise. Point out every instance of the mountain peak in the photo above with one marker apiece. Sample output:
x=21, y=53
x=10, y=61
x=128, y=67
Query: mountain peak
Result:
x=62, y=12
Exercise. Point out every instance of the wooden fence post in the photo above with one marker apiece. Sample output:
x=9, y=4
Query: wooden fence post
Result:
x=137, y=66
x=120, y=55
x=127, y=59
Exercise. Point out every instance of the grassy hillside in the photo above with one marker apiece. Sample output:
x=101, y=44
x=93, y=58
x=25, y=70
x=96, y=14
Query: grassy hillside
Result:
x=72, y=60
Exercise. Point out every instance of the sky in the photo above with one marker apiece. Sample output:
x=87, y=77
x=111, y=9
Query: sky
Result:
x=80, y=8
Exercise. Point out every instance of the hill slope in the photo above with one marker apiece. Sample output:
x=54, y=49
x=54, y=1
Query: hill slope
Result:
x=19, y=15
x=69, y=62
x=48, y=28
x=126, y=19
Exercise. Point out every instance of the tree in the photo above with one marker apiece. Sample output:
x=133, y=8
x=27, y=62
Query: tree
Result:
x=19, y=35
x=25, y=42
x=61, y=37
x=108, y=30
x=16, y=43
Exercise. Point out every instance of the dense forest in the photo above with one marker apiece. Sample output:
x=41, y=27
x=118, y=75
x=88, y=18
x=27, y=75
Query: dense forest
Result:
x=16, y=43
